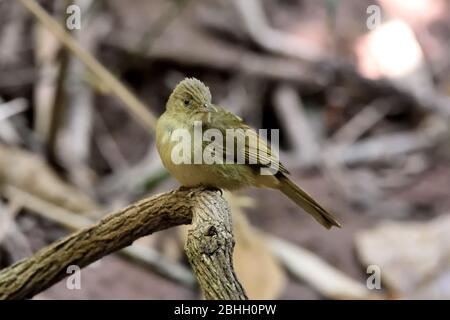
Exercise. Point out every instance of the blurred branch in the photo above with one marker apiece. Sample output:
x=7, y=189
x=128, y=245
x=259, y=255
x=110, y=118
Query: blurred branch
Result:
x=167, y=17
x=108, y=146
x=12, y=239
x=380, y=148
x=38, y=179
x=220, y=56
x=297, y=124
x=138, y=109
x=8, y=132
x=286, y=44
x=11, y=35
x=329, y=281
x=271, y=39
x=253, y=257
x=363, y=120
x=348, y=134
x=209, y=245
x=79, y=103
x=135, y=177
x=50, y=67
x=58, y=109
x=12, y=107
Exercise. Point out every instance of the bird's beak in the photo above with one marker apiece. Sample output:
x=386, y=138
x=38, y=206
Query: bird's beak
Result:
x=205, y=108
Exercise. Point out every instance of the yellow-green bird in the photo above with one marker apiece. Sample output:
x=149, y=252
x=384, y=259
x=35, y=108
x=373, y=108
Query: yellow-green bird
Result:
x=189, y=103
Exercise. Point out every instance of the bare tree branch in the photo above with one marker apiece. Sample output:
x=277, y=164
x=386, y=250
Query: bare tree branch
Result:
x=118, y=230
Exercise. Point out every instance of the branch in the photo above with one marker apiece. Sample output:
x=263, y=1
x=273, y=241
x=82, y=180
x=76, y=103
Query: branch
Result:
x=140, y=254
x=209, y=247
x=118, y=230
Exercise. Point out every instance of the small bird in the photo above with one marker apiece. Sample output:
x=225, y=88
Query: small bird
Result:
x=190, y=103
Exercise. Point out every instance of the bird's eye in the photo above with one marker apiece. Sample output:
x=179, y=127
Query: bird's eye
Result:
x=186, y=102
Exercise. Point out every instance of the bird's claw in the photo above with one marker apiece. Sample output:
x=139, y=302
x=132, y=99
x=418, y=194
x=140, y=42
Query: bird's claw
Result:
x=206, y=188
x=214, y=189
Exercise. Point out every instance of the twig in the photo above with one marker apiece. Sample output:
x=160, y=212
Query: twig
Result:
x=108, y=146
x=139, y=110
x=45, y=88
x=363, y=121
x=58, y=109
x=176, y=7
x=9, y=109
x=13, y=107
x=133, y=177
x=118, y=230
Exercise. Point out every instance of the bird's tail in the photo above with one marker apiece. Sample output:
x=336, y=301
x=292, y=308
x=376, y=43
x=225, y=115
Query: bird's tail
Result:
x=307, y=203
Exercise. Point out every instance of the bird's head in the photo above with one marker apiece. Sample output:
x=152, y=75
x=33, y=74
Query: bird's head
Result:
x=191, y=96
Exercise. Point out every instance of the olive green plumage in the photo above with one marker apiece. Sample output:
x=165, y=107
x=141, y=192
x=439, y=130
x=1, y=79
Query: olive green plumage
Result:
x=190, y=102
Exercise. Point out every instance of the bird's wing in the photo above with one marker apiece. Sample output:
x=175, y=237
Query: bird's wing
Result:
x=256, y=153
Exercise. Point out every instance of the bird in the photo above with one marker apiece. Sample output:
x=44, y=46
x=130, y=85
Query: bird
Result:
x=190, y=106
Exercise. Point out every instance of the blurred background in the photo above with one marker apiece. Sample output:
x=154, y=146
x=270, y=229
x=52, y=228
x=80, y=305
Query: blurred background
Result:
x=359, y=90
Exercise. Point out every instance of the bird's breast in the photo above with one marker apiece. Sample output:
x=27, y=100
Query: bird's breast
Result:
x=227, y=176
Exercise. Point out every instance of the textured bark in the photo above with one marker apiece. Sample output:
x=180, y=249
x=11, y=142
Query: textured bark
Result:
x=209, y=247
x=118, y=230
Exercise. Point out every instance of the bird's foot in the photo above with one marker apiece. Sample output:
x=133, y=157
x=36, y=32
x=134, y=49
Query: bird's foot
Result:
x=209, y=188
x=206, y=188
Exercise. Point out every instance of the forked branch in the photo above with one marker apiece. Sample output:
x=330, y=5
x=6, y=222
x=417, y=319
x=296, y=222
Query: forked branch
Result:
x=209, y=246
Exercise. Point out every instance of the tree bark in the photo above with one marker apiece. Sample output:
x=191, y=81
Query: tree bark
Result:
x=118, y=230
x=209, y=247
